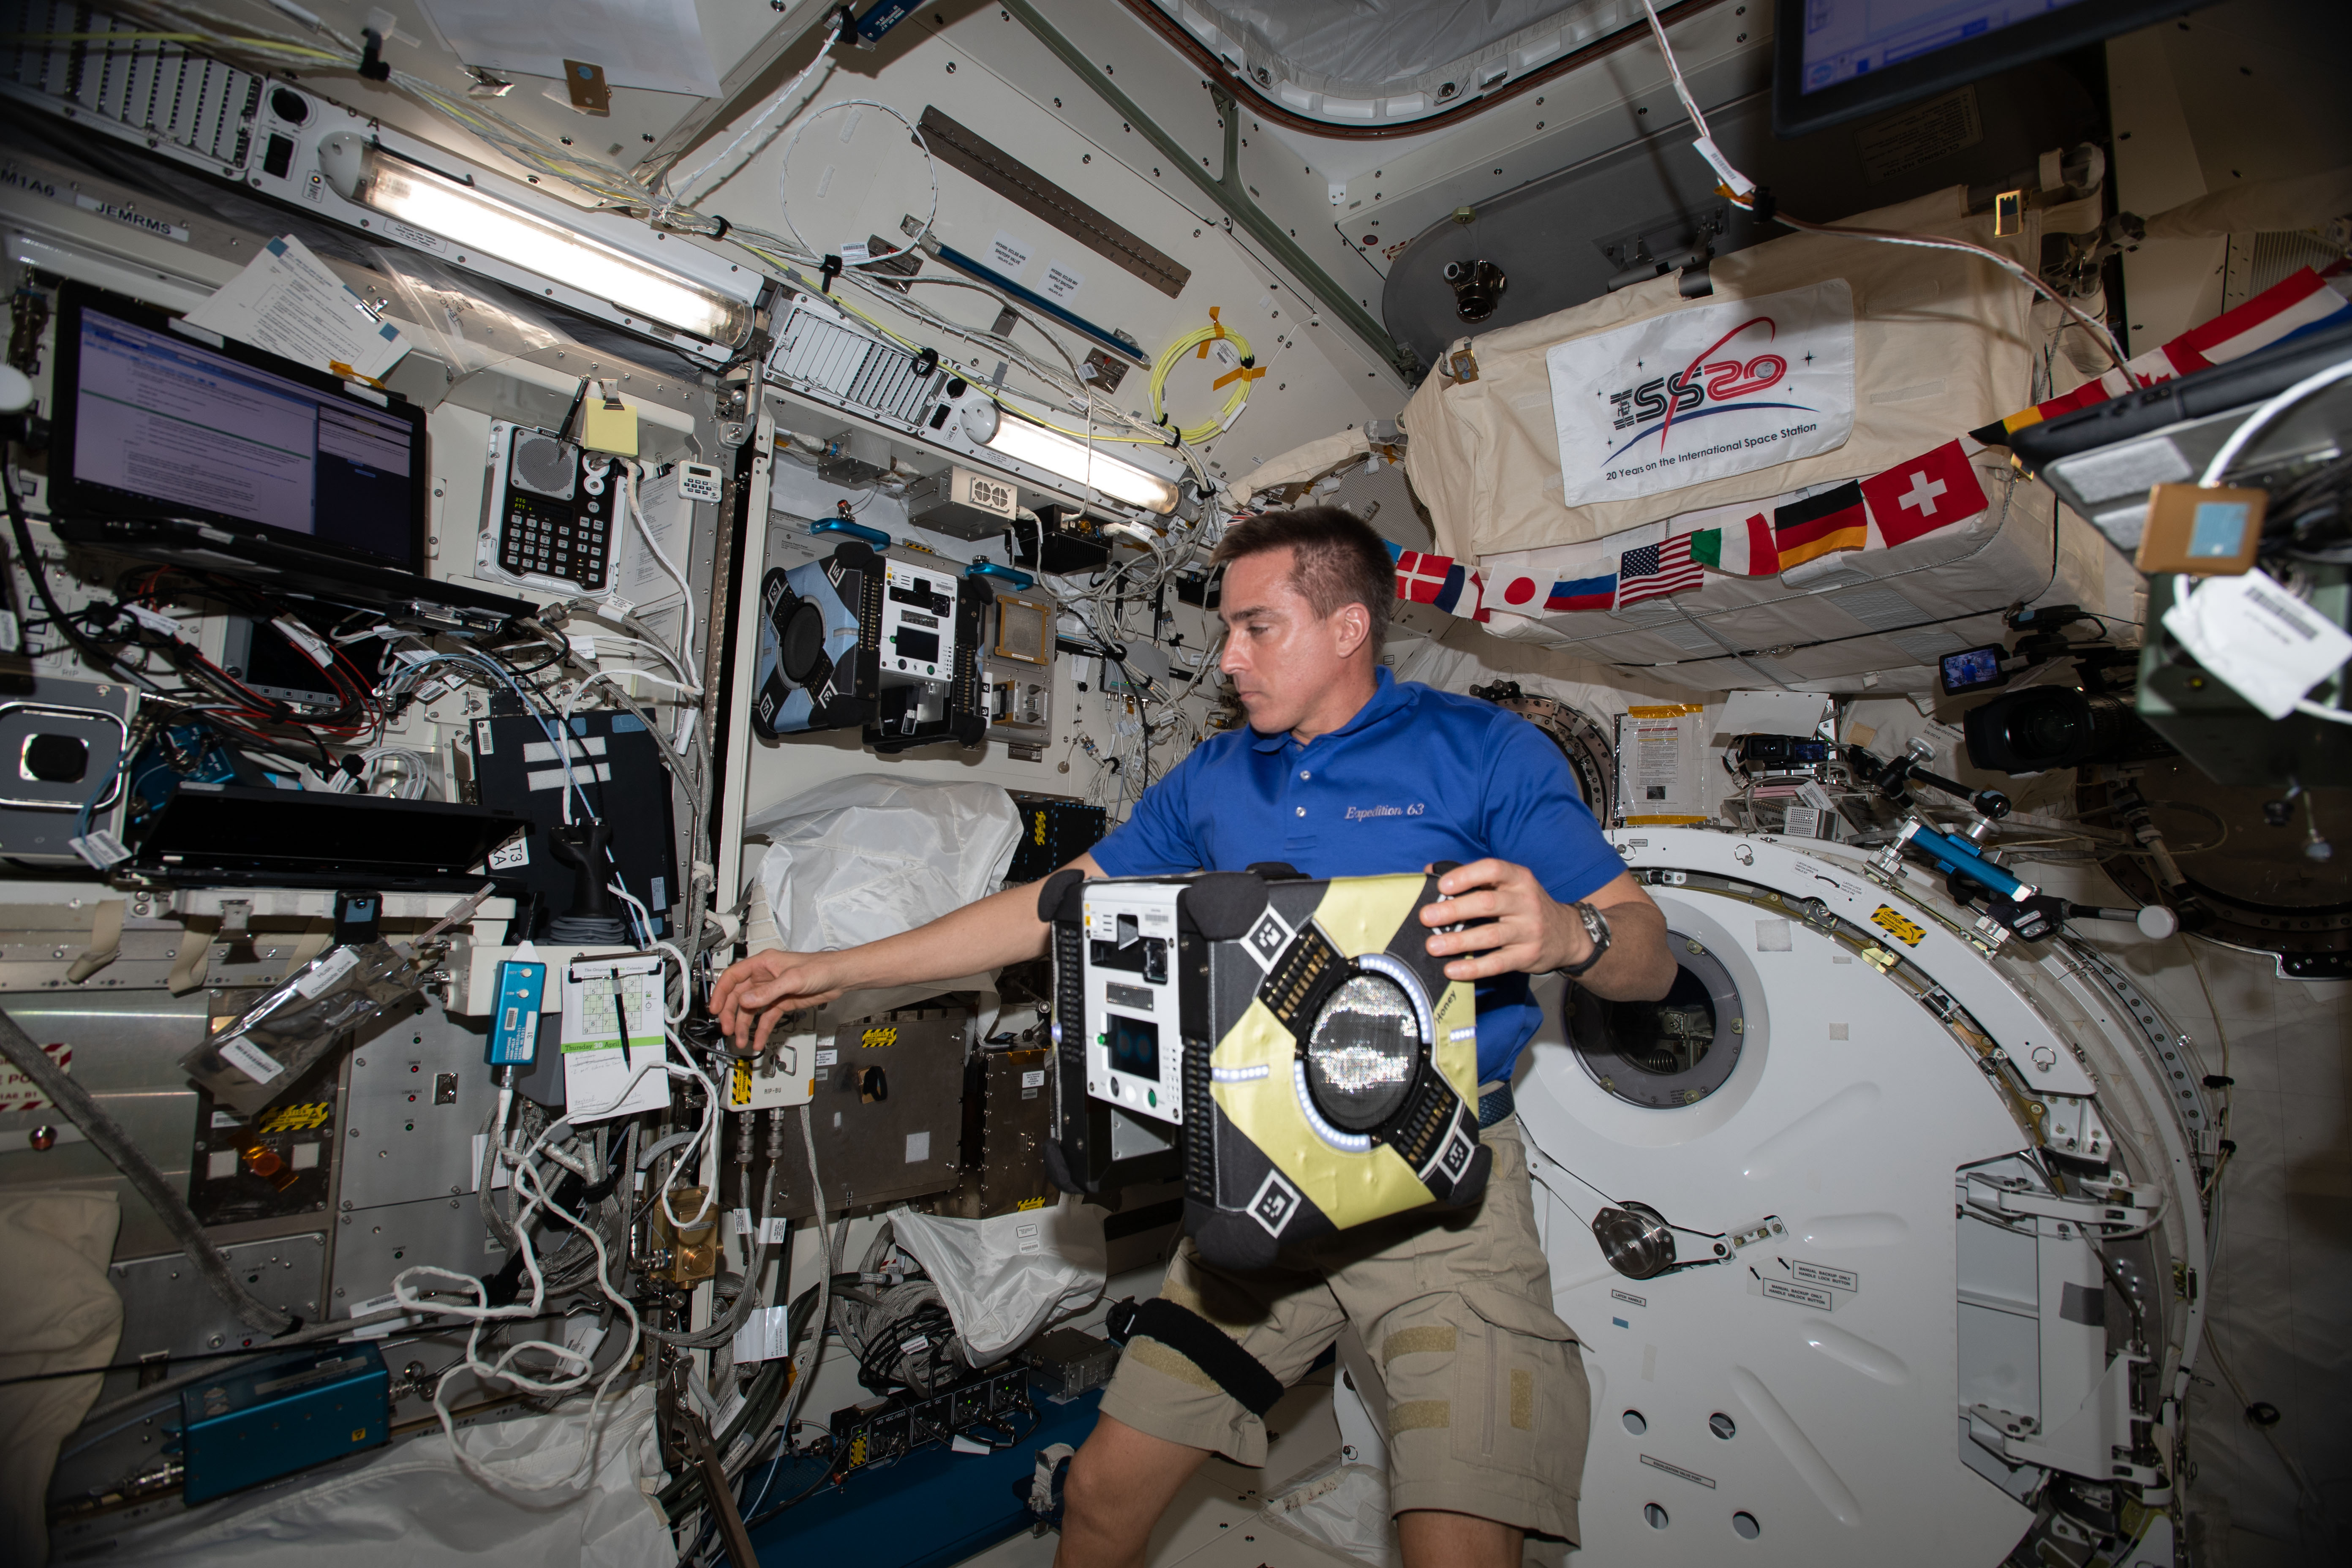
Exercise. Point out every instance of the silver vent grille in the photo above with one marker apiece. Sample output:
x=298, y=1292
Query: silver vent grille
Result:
x=829, y=357
x=70, y=54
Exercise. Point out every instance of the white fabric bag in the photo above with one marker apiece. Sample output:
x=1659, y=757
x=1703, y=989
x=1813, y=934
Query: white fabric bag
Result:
x=1005, y=1278
x=867, y=857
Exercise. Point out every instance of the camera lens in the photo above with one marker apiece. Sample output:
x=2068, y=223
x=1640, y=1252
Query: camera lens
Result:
x=2044, y=730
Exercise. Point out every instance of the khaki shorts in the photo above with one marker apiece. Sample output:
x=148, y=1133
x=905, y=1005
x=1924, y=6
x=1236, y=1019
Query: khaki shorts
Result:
x=1488, y=1409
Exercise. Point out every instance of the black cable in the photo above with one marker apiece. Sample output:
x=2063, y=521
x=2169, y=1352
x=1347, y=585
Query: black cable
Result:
x=39, y=574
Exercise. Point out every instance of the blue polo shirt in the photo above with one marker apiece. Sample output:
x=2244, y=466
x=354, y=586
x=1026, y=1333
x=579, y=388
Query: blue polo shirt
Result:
x=1418, y=776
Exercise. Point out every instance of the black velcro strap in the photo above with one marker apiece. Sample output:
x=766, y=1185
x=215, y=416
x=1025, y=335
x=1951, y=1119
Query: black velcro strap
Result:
x=1212, y=1350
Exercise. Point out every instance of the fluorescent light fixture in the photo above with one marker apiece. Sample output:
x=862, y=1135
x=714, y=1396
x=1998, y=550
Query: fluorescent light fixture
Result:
x=1058, y=453
x=484, y=224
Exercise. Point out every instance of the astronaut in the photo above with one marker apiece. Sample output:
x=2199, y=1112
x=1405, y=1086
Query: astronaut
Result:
x=1342, y=770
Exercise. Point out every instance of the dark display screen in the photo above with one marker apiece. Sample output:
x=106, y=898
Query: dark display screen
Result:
x=1135, y=1047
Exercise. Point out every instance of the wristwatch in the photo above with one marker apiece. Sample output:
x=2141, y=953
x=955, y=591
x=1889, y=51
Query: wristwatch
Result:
x=1596, y=926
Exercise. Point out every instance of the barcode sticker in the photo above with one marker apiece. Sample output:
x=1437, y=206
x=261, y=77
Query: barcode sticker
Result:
x=251, y=1059
x=2267, y=645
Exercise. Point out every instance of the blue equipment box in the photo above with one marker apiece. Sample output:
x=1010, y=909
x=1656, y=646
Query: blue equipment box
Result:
x=514, y=1026
x=283, y=1414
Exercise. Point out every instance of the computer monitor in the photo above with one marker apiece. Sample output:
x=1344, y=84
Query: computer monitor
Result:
x=156, y=420
x=1836, y=60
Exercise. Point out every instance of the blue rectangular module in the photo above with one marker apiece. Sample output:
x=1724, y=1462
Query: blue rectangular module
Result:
x=514, y=1026
x=283, y=1413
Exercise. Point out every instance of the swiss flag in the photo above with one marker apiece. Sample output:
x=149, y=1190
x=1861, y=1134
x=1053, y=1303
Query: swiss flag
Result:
x=1422, y=577
x=1924, y=494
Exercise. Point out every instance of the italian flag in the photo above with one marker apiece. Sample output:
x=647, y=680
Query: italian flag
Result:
x=1742, y=549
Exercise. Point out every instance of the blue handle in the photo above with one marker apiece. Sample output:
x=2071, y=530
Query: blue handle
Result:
x=1958, y=855
x=858, y=531
x=1019, y=579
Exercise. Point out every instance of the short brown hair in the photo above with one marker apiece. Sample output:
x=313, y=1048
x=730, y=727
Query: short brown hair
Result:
x=1336, y=560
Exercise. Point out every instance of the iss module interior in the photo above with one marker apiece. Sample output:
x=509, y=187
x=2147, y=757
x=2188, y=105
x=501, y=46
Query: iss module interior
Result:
x=1883, y=1247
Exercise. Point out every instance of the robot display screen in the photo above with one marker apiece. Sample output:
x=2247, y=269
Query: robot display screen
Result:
x=1135, y=1045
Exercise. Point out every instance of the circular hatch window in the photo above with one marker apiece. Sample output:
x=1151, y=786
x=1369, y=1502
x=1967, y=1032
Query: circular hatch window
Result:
x=1668, y=1054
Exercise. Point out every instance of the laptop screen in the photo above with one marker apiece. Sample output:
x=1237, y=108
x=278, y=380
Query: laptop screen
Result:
x=159, y=425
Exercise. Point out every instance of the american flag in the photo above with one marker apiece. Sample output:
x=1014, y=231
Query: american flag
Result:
x=1656, y=570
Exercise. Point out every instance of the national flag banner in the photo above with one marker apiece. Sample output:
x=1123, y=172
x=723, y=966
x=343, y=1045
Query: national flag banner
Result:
x=1473, y=607
x=1833, y=519
x=1653, y=570
x=1742, y=549
x=1421, y=577
x=2296, y=304
x=1448, y=596
x=1519, y=590
x=1582, y=594
x=1927, y=493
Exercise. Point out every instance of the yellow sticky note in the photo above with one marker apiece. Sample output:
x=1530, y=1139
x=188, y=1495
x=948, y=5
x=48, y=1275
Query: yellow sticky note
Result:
x=609, y=427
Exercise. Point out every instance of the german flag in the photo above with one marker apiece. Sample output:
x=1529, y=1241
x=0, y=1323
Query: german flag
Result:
x=1833, y=519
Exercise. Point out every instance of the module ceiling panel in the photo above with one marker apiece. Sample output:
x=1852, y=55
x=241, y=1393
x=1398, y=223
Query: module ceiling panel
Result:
x=1372, y=62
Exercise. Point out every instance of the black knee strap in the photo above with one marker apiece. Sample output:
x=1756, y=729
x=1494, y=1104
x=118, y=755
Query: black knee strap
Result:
x=1212, y=1350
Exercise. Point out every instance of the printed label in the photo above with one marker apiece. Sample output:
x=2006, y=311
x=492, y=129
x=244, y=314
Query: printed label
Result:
x=1009, y=255
x=121, y=212
x=831, y=1058
x=1703, y=394
x=251, y=1059
x=1820, y=1274
x=1622, y=1296
x=1657, y=1464
x=331, y=968
x=1905, y=931
x=1802, y=1295
x=1062, y=283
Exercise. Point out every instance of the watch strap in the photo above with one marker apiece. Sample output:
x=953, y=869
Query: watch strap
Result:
x=1596, y=926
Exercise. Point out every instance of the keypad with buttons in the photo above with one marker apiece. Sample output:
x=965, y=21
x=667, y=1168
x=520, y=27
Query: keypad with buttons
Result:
x=543, y=537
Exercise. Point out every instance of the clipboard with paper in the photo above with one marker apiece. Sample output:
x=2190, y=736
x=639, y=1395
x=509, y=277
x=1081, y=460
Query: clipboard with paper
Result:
x=613, y=1041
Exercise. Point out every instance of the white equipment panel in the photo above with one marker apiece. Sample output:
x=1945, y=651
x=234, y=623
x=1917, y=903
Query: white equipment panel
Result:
x=1924, y=1297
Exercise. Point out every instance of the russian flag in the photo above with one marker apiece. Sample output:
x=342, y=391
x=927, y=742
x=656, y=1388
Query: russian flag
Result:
x=1584, y=593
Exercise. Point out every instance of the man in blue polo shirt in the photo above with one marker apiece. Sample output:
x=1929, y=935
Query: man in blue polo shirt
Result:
x=1342, y=772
